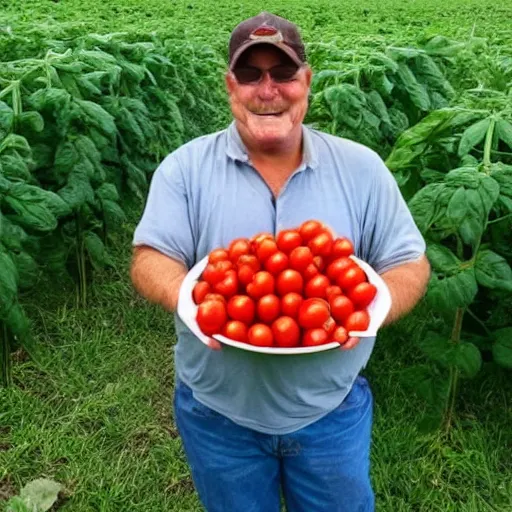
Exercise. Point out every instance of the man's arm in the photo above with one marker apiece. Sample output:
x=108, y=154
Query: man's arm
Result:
x=407, y=284
x=157, y=277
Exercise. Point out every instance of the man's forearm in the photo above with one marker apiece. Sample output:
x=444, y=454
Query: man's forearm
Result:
x=157, y=277
x=407, y=285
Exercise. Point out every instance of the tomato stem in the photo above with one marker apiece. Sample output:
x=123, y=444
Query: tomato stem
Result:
x=454, y=371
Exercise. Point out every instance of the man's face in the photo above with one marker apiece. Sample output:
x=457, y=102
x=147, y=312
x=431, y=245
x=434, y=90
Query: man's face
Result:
x=267, y=111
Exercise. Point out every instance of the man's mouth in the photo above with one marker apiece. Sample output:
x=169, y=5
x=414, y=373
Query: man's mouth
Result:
x=267, y=114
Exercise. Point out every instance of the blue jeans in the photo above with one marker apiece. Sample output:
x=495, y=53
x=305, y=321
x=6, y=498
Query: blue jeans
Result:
x=323, y=467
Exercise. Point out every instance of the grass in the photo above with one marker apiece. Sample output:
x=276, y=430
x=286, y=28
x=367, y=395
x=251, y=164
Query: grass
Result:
x=95, y=414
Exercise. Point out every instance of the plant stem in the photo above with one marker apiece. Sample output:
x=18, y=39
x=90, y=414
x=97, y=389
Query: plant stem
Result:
x=454, y=372
x=80, y=261
x=5, y=356
x=488, y=146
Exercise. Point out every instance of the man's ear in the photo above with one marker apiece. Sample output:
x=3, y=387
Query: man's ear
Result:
x=230, y=82
x=309, y=75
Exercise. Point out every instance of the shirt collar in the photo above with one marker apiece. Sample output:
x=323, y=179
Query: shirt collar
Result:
x=237, y=150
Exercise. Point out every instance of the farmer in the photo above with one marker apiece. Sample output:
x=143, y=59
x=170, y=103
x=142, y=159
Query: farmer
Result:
x=255, y=426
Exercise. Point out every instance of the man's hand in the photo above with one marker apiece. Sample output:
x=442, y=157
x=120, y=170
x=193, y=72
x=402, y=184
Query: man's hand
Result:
x=350, y=343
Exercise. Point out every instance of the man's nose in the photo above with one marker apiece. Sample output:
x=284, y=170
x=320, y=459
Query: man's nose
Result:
x=267, y=87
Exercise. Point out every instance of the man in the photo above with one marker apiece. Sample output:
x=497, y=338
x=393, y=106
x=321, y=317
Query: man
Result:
x=256, y=426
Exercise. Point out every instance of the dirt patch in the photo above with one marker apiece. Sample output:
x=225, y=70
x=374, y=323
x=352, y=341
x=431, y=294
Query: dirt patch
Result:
x=7, y=489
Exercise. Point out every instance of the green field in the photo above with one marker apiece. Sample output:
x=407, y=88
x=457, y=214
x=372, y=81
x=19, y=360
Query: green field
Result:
x=90, y=405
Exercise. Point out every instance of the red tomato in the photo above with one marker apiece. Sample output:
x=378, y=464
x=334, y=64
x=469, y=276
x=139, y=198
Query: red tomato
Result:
x=317, y=286
x=262, y=283
x=340, y=335
x=300, y=258
x=228, y=286
x=276, y=263
x=211, y=316
x=215, y=272
x=319, y=262
x=357, y=321
x=321, y=244
x=265, y=249
x=218, y=255
x=245, y=274
x=215, y=296
x=310, y=272
x=251, y=260
x=257, y=239
x=342, y=247
x=241, y=307
x=315, y=337
x=341, y=308
x=313, y=313
x=332, y=291
x=235, y=330
x=309, y=229
x=362, y=294
x=337, y=266
x=238, y=247
x=288, y=239
x=286, y=332
x=268, y=308
x=201, y=288
x=290, y=304
x=260, y=335
x=351, y=277
x=289, y=280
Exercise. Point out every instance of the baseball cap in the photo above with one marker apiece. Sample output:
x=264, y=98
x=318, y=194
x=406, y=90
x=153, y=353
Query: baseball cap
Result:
x=270, y=29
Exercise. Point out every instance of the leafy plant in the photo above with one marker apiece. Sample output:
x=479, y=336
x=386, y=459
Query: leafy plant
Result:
x=455, y=167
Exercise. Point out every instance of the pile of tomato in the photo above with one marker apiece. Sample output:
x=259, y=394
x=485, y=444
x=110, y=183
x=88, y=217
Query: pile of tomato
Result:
x=299, y=288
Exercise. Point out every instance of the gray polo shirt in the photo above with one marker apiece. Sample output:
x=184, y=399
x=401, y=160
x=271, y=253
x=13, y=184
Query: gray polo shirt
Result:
x=206, y=193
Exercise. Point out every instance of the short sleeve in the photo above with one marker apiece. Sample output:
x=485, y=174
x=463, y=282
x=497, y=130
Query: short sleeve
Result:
x=165, y=224
x=390, y=235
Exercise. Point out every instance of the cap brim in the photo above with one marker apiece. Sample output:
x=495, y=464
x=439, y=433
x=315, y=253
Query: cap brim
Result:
x=281, y=46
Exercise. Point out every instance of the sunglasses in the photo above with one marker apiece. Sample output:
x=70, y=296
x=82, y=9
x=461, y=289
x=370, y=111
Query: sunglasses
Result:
x=252, y=75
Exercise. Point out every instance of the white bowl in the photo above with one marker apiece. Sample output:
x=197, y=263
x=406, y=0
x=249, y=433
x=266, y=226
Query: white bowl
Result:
x=378, y=310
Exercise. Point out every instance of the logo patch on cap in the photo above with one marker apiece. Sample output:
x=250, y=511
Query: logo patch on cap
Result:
x=266, y=33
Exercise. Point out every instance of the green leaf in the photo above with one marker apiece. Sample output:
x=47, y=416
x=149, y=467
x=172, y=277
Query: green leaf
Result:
x=457, y=208
x=416, y=91
x=97, y=116
x=28, y=270
x=468, y=177
x=467, y=358
x=96, y=250
x=108, y=192
x=33, y=206
x=502, y=348
x=473, y=135
x=113, y=214
x=32, y=120
x=436, y=347
x=415, y=140
x=17, y=321
x=502, y=174
x=8, y=282
x=427, y=204
x=377, y=106
x=442, y=259
x=78, y=189
x=449, y=292
x=17, y=142
x=41, y=494
x=493, y=271
x=345, y=102
x=504, y=131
